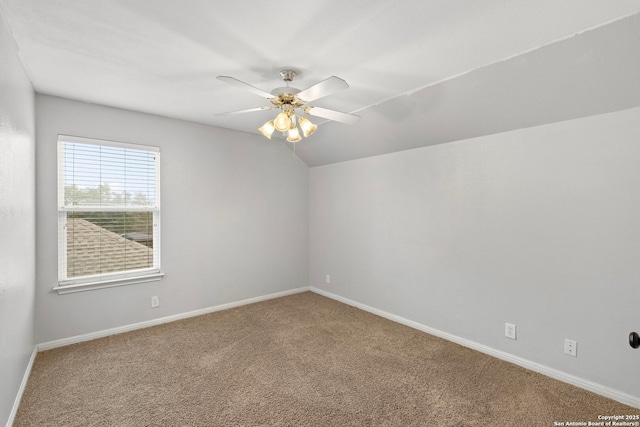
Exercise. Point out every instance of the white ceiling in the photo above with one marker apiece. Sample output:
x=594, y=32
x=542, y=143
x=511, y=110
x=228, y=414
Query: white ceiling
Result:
x=421, y=72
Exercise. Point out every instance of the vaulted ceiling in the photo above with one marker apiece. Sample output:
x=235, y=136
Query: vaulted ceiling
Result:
x=421, y=72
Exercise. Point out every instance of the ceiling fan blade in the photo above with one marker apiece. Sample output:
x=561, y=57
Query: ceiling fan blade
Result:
x=326, y=87
x=332, y=115
x=246, y=111
x=235, y=82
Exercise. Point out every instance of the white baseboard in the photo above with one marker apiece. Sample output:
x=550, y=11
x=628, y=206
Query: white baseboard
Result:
x=127, y=328
x=591, y=386
x=23, y=385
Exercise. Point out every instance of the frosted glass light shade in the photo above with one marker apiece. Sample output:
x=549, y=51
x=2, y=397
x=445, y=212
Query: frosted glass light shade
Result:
x=267, y=129
x=282, y=122
x=307, y=127
x=294, y=135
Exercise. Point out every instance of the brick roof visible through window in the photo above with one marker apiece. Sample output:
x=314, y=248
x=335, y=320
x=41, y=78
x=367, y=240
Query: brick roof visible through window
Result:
x=96, y=250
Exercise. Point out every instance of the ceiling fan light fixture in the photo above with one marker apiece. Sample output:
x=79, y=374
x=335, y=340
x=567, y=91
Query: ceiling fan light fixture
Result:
x=282, y=122
x=267, y=129
x=293, y=134
x=289, y=99
x=307, y=127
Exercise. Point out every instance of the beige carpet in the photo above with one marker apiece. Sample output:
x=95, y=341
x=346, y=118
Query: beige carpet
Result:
x=301, y=360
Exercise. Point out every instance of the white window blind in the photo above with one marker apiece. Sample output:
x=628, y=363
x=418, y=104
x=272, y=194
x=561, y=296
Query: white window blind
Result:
x=109, y=212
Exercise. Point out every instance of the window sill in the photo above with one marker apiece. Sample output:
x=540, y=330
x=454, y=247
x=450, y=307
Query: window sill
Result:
x=62, y=289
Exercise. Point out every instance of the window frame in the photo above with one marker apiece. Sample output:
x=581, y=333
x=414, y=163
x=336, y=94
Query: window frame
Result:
x=104, y=280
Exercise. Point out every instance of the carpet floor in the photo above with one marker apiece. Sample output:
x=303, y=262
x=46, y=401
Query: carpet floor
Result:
x=300, y=360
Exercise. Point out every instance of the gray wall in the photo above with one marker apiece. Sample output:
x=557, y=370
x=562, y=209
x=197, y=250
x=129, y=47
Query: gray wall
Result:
x=17, y=222
x=234, y=218
x=537, y=227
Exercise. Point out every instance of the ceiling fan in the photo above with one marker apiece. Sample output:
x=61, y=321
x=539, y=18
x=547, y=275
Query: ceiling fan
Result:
x=290, y=101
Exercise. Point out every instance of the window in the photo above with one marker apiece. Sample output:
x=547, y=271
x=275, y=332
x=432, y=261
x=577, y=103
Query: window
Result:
x=108, y=214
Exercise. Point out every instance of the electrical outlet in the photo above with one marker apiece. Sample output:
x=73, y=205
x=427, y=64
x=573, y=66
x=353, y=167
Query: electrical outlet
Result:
x=327, y=279
x=570, y=347
x=510, y=330
x=155, y=301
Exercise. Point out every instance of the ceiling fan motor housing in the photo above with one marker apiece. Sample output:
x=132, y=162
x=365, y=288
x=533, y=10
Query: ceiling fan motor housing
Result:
x=285, y=91
x=286, y=96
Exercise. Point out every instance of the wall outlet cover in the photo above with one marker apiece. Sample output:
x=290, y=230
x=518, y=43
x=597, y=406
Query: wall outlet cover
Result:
x=570, y=347
x=510, y=330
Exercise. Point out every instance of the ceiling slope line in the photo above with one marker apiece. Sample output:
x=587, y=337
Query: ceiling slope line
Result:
x=4, y=20
x=505, y=59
